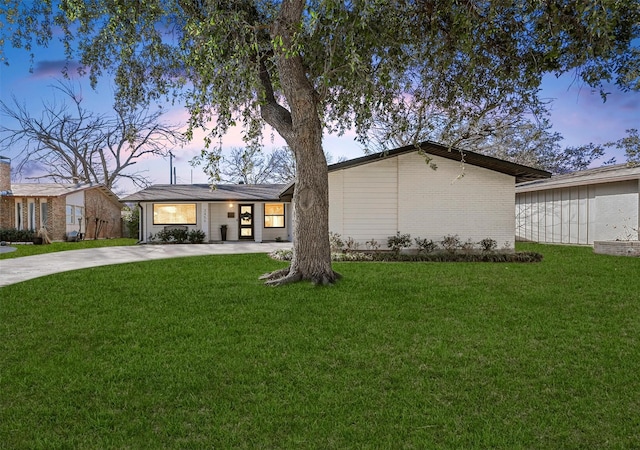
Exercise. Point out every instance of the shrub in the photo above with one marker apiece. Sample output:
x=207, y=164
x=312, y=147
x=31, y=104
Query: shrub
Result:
x=15, y=235
x=180, y=235
x=488, y=245
x=287, y=255
x=163, y=236
x=450, y=243
x=519, y=257
x=196, y=236
x=335, y=242
x=352, y=256
x=282, y=254
x=351, y=245
x=425, y=245
x=372, y=245
x=468, y=246
x=398, y=242
x=131, y=218
x=498, y=257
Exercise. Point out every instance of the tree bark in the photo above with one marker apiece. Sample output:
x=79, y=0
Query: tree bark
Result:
x=302, y=130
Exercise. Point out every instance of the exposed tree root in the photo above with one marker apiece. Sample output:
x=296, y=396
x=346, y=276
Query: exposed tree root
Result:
x=326, y=279
x=286, y=276
x=274, y=275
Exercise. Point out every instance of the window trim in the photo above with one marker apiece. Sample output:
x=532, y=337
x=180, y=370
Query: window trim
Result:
x=195, y=215
x=283, y=215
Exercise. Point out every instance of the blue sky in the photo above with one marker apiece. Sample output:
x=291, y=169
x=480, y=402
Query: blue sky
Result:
x=577, y=112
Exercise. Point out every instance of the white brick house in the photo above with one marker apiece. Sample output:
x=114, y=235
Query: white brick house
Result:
x=375, y=196
x=372, y=197
x=247, y=212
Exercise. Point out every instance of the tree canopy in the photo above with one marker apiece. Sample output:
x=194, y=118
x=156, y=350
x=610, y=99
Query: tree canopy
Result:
x=520, y=136
x=311, y=66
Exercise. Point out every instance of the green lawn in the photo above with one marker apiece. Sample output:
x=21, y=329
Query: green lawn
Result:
x=30, y=249
x=197, y=353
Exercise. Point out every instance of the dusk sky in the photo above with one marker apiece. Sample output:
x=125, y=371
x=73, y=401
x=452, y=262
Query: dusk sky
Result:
x=577, y=112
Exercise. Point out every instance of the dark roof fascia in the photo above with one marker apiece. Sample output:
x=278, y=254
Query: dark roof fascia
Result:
x=598, y=175
x=164, y=193
x=520, y=172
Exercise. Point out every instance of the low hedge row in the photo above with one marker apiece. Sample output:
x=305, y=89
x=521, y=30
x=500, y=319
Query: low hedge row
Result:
x=498, y=257
x=15, y=235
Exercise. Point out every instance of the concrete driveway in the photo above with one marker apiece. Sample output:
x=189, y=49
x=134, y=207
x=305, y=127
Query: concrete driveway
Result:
x=15, y=270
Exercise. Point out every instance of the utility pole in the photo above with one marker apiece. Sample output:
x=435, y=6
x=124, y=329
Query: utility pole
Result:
x=171, y=172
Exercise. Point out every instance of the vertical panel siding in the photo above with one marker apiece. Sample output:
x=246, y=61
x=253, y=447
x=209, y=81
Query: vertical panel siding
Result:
x=579, y=215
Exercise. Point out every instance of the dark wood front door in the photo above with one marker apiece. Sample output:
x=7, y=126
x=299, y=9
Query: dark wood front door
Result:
x=246, y=221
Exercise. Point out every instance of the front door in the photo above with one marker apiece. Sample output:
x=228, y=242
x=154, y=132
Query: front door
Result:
x=246, y=221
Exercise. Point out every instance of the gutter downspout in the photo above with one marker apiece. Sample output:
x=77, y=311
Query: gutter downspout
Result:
x=140, y=223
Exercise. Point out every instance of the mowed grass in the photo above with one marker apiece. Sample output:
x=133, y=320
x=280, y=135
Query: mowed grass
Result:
x=30, y=249
x=197, y=353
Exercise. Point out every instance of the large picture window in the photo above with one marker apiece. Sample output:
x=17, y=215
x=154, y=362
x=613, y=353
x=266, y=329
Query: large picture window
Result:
x=174, y=214
x=274, y=215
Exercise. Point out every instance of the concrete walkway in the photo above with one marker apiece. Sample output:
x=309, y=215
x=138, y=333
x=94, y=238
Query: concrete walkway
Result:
x=16, y=270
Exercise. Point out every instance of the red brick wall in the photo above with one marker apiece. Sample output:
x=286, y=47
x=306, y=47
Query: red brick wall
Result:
x=99, y=206
x=6, y=203
x=6, y=212
x=5, y=176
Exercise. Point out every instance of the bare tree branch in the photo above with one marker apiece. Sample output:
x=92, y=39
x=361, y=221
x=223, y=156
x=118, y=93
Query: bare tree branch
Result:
x=75, y=145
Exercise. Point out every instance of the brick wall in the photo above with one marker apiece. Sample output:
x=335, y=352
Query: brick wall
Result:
x=5, y=176
x=99, y=206
x=6, y=203
x=6, y=212
x=57, y=221
x=404, y=194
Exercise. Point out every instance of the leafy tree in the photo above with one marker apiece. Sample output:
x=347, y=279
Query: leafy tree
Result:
x=631, y=146
x=514, y=135
x=72, y=144
x=307, y=66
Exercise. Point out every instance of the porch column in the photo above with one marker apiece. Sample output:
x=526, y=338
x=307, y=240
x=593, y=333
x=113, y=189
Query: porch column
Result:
x=258, y=221
x=204, y=217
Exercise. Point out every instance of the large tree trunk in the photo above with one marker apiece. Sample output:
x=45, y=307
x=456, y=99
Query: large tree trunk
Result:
x=302, y=129
x=311, y=250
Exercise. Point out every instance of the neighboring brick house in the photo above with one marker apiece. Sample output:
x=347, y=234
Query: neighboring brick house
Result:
x=63, y=209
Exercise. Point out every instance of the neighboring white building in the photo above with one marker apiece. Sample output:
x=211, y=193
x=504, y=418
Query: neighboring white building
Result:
x=580, y=208
x=372, y=197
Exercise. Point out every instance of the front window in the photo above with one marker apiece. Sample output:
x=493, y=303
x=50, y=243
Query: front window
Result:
x=174, y=214
x=19, y=223
x=74, y=214
x=274, y=215
x=44, y=214
x=31, y=214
